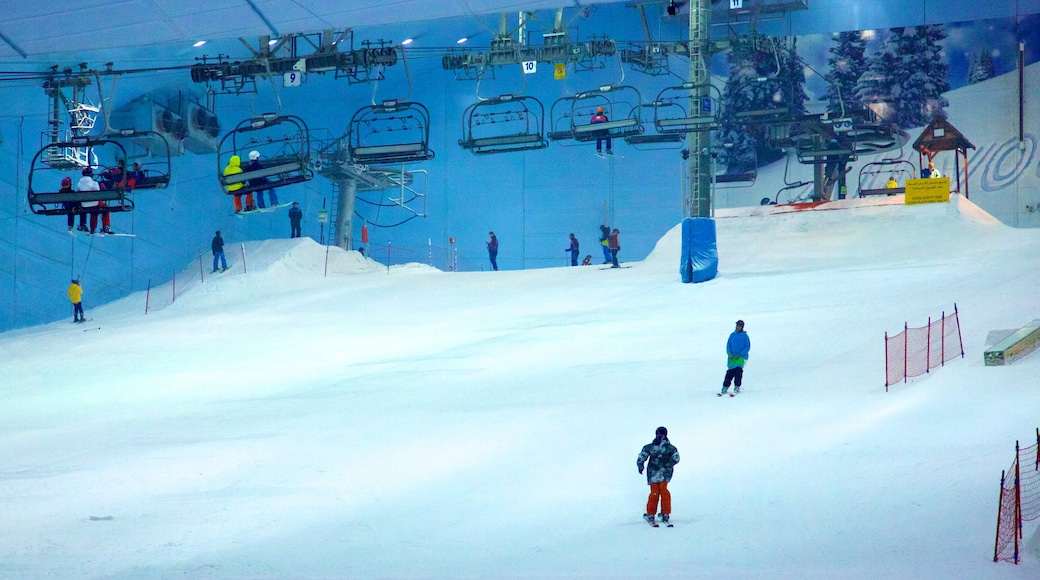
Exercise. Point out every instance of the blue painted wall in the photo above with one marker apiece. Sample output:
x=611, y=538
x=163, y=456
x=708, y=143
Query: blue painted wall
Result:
x=531, y=200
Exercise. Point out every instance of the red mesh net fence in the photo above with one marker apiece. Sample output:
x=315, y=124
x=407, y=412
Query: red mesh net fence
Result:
x=914, y=351
x=1019, y=502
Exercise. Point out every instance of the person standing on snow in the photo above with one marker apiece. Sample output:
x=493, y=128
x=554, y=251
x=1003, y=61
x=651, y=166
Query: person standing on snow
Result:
x=604, y=233
x=493, y=251
x=218, y=252
x=573, y=249
x=76, y=297
x=662, y=457
x=295, y=215
x=614, y=245
x=737, y=348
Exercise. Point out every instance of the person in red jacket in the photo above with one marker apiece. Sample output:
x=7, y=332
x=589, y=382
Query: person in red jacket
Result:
x=493, y=251
x=615, y=246
x=573, y=249
x=601, y=117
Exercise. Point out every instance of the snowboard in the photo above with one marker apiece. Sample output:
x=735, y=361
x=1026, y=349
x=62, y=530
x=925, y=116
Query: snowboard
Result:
x=264, y=209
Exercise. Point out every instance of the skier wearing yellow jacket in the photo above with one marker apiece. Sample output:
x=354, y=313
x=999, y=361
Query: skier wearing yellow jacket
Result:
x=234, y=166
x=76, y=297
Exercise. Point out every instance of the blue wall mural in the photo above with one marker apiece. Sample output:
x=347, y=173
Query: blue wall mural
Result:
x=531, y=199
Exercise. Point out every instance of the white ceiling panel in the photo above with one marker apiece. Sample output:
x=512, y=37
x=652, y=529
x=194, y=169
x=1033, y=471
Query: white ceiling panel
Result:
x=42, y=29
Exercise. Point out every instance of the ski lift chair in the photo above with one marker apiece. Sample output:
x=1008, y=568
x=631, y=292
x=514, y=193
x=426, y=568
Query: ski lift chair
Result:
x=391, y=132
x=899, y=169
x=44, y=195
x=504, y=124
x=284, y=146
x=560, y=119
x=148, y=158
x=620, y=103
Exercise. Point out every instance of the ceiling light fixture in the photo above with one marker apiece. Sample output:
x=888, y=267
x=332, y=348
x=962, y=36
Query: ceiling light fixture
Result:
x=199, y=43
x=461, y=40
x=272, y=42
x=407, y=41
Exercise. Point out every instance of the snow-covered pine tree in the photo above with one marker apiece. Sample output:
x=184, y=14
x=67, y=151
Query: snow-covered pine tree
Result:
x=848, y=62
x=908, y=75
x=981, y=67
x=765, y=74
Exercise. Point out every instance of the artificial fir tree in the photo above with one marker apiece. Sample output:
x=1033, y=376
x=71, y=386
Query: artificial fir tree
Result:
x=848, y=63
x=981, y=67
x=765, y=74
x=908, y=76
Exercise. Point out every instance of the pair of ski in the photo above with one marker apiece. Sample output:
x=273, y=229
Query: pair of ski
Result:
x=653, y=522
x=102, y=234
x=263, y=209
x=730, y=393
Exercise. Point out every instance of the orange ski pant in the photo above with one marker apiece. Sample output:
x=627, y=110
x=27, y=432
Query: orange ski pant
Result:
x=659, y=491
x=238, y=200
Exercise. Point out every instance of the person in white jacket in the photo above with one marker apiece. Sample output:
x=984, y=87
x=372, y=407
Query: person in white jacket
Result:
x=87, y=183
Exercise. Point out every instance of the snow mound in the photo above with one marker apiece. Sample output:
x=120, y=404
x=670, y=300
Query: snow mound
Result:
x=839, y=234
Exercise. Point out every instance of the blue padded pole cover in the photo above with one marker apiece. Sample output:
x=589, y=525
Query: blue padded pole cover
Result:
x=700, y=256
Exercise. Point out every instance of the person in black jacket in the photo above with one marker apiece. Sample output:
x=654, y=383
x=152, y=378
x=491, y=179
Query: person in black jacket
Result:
x=218, y=252
x=662, y=457
x=295, y=215
x=604, y=233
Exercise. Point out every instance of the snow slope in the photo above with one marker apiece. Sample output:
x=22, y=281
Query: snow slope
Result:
x=411, y=423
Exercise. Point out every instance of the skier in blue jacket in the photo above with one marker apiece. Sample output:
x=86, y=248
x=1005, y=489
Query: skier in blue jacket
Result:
x=737, y=348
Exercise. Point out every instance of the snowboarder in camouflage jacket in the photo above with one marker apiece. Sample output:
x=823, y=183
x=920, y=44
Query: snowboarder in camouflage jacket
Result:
x=662, y=457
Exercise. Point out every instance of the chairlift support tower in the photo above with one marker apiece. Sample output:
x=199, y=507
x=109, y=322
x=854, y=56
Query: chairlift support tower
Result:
x=699, y=202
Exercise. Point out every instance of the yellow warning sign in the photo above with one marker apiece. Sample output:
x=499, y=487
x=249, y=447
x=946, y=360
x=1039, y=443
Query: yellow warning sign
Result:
x=560, y=71
x=927, y=190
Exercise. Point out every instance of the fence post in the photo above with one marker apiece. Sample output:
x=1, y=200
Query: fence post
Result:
x=1000, y=510
x=388, y=244
x=174, y=283
x=201, y=269
x=147, y=294
x=326, y=261
x=928, y=348
x=957, y=317
x=243, y=246
x=942, y=341
x=906, y=339
x=886, y=361
x=1018, y=501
